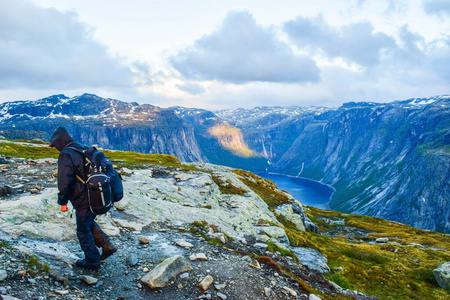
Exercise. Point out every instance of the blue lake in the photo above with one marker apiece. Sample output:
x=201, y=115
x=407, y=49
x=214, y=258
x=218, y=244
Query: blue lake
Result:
x=306, y=191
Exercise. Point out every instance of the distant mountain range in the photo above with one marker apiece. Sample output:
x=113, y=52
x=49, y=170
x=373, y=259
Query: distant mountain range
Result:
x=389, y=160
x=108, y=123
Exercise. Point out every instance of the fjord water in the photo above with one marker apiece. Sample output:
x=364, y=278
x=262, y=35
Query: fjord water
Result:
x=306, y=191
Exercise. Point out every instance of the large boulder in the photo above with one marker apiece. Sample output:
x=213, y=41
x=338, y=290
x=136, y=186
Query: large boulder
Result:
x=287, y=212
x=163, y=273
x=442, y=275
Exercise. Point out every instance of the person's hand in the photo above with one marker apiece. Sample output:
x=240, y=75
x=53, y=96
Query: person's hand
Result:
x=64, y=208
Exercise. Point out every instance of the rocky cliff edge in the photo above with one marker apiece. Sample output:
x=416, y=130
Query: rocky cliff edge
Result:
x=215, y=232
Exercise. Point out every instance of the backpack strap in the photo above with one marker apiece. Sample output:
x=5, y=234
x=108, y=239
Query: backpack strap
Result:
x=82, y=152
x=79, y=178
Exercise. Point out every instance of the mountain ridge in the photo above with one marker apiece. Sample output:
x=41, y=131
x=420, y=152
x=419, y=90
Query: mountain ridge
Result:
x=389, y=160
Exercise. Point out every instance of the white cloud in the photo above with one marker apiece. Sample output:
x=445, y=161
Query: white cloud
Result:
x=356, y=43
x=323, y=53
x=438, y=7
x=242, y=51
x=45, y=49
x=192, y=88
x=356, y=63
x=406, y=59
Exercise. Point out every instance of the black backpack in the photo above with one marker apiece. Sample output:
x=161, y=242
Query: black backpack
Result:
x=103, y=183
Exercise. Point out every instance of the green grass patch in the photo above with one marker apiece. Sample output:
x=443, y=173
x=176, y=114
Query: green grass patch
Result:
x=339, y=280
x=228, y=188
x=366, y=255
x=132, y=159
x=123, y=158
x=396, y=271
x=272, y=247
x=4, y=244
x=36, y=266
x=29, y=152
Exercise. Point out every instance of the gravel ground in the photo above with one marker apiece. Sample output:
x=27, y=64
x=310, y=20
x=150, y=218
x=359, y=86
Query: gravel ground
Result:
x=119, y=276
x=19, y=176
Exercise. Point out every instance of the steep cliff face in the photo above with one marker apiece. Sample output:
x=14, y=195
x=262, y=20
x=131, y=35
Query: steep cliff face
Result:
x=270, y=131
x=385, y=160
x=221, y=143
x=106, y=122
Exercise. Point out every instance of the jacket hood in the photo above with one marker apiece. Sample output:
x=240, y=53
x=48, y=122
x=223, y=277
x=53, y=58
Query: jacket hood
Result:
x=60, y=138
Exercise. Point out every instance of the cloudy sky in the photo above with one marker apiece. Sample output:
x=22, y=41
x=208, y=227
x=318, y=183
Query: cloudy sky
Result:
x=223, y=54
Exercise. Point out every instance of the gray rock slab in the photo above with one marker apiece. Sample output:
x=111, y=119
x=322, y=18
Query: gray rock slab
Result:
x=260, y=245
x=442, y=275
x=163, y=273
x=312, y=258
x=287, y=212
x=6, y=297
x=382, y=240
x=274, y=232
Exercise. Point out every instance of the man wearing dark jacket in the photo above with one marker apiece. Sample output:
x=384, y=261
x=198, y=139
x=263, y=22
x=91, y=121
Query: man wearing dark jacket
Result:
x=70, y=164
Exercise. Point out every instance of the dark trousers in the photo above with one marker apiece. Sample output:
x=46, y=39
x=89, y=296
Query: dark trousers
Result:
x=89, y=234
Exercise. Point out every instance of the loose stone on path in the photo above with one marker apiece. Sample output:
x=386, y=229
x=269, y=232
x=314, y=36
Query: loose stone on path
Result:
x=206, y=282
x=89, y=279
x=255, y=264
x=198, y=256
x=183, y=243
x=290, y=291
x=61, y=292
x=163, y=273
x=3, y=275
x=143, y=240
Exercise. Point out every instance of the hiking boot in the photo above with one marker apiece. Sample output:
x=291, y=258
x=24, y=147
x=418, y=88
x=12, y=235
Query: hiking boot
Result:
x=107, y=250
x=82, y=263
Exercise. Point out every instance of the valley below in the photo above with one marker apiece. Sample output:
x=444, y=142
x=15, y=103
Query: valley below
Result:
x=307, y=191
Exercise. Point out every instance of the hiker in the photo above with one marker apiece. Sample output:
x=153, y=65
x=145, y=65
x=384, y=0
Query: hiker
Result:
x=71, y=164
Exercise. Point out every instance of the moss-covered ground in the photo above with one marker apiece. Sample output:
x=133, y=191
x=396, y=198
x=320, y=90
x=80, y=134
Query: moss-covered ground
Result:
x=265, y=188
x=31, y=151
x=36, y=150
x=399, y=269
x=228, y=187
